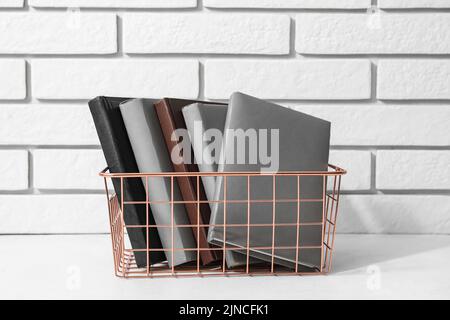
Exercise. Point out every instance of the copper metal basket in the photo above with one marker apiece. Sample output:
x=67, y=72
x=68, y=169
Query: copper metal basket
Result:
x=124, y=261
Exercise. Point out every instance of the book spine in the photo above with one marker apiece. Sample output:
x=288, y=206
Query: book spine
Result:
x=192, y=116
x=187, y=188
x=147, y=141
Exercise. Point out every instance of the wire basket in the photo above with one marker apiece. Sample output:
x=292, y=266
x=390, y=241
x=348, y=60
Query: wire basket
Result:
x=125, y=265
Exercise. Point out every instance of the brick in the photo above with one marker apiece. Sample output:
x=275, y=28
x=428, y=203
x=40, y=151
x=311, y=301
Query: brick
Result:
x=68, y=169
x=413, y=170
x=13, y=170
x=13, y=83
x=384, y=125
x=47, y=214
x=358, y=165
x=415, y=33
x=388, y=4
x=413, y=79
x=115, y=3
x=394, y=214
x=86, y=79
x=58, y=33
x=278, y=4
x=282, y=79
x=11, y=3
x=41, y=124
x=206, y=33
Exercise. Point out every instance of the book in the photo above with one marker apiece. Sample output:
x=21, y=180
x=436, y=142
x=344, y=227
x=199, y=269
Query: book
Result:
x=120, y=159
x=171, y=119
x=144, y=132
x=201, y=118
x=298, y=142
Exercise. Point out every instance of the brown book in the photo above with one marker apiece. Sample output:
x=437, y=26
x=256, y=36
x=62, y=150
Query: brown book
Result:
x=171, y=118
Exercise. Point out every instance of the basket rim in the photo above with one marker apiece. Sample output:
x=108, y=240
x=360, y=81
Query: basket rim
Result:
x=336, y=171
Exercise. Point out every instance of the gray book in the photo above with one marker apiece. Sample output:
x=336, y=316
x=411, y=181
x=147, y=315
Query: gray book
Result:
x=200, y=119
x=304, y=143
x=144, y=131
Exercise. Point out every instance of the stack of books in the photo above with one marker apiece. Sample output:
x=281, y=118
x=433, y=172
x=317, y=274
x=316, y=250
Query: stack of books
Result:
x=244, y=135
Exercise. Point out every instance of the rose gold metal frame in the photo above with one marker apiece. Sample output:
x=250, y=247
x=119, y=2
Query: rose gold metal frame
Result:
x=125, y=264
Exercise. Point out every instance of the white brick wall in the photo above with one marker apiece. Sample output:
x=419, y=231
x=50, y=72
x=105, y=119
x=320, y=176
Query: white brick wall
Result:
x=289, y=79
x=414, y=4
x=383, y=80
x=13, y=170
x=13, y=79
x=198, y=33
x=114, y=3
x=382, y=125
x=414, y=79
x=358, y=164
x=86, y=78
x=352, y=33
x=45, y=124
x=68, y=169
x=64, y=33
x=399, y=170
x=11, y=3
x=324, y=4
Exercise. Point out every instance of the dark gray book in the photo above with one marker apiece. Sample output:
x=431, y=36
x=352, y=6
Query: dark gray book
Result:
x=304, y=143
x=147, y=141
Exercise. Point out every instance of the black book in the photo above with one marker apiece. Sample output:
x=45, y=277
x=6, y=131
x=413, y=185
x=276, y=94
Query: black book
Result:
x=120, y=159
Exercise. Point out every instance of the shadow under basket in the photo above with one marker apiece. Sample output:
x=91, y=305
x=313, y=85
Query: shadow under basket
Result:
x=125, y=265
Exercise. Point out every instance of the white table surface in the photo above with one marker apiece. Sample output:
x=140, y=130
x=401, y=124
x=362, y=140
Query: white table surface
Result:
x=366, y=267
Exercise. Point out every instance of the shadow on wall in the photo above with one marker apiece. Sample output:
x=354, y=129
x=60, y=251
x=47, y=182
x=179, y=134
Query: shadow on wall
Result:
x=393, y=215
x=353, y=253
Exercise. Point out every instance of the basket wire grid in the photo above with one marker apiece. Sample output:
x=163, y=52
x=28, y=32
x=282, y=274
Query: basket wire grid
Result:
x=125, y=264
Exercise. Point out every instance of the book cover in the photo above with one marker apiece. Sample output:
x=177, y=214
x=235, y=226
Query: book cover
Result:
x=201, y=118
x=150, y=151
x=171, y=118
x=120, y=159
x=298, y=142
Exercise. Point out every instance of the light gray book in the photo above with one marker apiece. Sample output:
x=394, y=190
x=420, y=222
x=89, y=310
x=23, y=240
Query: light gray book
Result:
x=201, y=118
x=144, y=131
x=303, y=145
